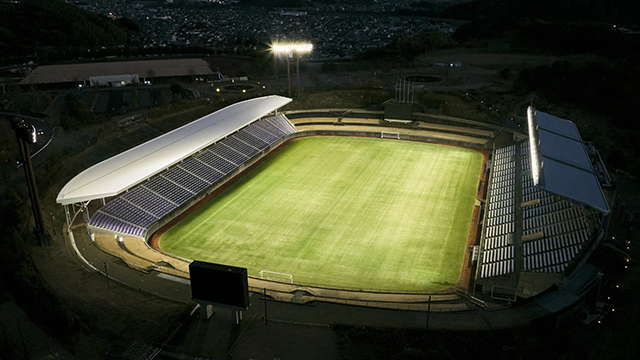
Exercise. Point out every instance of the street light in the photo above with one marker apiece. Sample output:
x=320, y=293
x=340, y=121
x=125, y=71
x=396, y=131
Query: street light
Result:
x=289, y=50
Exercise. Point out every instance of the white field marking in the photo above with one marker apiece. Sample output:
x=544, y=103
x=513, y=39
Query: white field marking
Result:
x=209, y=217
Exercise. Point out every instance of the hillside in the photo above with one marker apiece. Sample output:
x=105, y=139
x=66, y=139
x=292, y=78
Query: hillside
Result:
x=623, y=12
x=556, y=26
x=57, y=24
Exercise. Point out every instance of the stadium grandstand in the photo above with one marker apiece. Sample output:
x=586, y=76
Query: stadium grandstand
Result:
x=544, y=212
x=147, y=184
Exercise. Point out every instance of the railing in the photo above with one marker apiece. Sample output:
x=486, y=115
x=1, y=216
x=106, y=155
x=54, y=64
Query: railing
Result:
x=435, y=306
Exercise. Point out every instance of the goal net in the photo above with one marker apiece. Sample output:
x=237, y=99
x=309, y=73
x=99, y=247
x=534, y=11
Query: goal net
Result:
x=389, y=135
x=276, y=276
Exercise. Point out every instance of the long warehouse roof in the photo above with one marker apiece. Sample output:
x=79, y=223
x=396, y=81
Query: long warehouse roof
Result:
x=560, y=163
x=60, y=73
x=118, y=173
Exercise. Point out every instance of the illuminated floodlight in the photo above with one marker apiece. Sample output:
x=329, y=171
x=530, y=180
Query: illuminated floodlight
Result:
x=533, y=145
x=290, y=48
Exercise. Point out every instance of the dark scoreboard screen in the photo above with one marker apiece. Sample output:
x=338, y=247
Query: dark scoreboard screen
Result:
x=220, y=284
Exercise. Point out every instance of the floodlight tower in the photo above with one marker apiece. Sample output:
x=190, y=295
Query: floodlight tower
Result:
x=290, y=50
x=26, y=134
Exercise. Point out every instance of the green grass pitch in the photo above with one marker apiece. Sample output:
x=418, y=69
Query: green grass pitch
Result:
x=346, y=212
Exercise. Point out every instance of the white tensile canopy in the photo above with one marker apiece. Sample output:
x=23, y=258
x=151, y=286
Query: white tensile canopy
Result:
x=117, y=174
x=559, y=161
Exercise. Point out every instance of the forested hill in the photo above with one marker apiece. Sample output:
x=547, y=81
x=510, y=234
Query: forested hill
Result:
x=557, y=26
x=623, y=12
x=272, y=4
x=31, y=24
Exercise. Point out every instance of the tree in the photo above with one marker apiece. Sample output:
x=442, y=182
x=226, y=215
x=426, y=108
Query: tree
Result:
x=150, y=73
x=176, y=89
x=76, y=110
x=329, y=67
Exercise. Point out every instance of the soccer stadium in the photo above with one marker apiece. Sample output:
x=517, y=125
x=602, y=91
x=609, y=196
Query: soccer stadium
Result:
x=344, y=200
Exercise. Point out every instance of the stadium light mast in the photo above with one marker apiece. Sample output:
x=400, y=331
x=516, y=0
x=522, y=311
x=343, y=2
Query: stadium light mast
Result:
x=26, y=135
x=290, y=50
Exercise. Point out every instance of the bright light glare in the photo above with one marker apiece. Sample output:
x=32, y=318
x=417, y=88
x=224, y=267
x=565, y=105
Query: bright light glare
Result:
x=292, y=47
x=533, y=146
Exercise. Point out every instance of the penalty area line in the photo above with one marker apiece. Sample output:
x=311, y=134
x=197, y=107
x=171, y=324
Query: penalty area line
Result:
x=209, y=217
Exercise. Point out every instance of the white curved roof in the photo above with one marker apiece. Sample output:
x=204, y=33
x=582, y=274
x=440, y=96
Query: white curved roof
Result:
x=116, y=174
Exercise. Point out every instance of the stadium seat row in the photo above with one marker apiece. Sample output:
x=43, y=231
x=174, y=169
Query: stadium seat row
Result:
x=569, y=215
x=552, y=269
x=107, y=222
x=500, y=229
x=501, y=197
x=497, y=220
x=506, y=166
x=505, y=152
x=557, y=257
x=496, y=242
x=545, y=209
x=555, y=242
x=557, y=229
x=501, y=181
x=498, y=254
x=205, y=173
x=500, y=212
x=496, y=268
x=502, y=204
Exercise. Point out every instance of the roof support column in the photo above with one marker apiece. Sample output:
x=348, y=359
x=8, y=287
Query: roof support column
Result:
x=68, y=216
x=85, y=214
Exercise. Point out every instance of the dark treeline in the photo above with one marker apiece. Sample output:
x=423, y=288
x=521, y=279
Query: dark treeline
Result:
x=556, y=26
x=32, y=24
x=422, y=8
x=22, y=279
x=407, y=48
x=75, y=114
x=622, y=12
x=609, y=89
x=273, y=4
x=606, y=87
x=555, y=37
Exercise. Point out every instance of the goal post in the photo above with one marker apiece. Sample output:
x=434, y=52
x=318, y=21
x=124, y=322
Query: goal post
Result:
x=276, y=276
x=389, y=135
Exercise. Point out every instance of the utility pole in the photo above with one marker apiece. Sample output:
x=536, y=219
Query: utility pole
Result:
x=53, y=223
x=264, y=297
x=288, y=72
x=106, y=274
x=428, y=311
x=298, y=72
